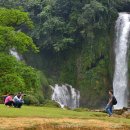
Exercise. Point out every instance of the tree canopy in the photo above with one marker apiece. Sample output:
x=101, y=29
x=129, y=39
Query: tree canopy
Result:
x=12, y=22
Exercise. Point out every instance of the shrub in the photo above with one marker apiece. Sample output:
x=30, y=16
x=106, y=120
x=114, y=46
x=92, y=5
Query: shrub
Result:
x=50, y=103
x=31, y=100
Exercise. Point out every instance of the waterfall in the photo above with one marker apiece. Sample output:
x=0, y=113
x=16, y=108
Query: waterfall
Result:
x=14, y=53
x=120, y=81
x=66, y=96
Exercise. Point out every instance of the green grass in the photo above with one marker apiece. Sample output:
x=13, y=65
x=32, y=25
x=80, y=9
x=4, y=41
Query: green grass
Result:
x=33, y=111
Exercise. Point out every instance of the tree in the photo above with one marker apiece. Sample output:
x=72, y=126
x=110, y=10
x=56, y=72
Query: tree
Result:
x=15, y=76
x=54, y=32
x=11, y=23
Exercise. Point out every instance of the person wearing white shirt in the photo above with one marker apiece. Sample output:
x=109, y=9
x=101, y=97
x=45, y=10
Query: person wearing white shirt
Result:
x=18, y=100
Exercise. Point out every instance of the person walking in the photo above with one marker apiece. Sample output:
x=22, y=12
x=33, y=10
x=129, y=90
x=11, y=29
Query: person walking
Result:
x=110, y=103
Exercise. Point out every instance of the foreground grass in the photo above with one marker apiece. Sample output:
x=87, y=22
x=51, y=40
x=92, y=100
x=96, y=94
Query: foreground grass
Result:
x=34, y=111
x=47, y=112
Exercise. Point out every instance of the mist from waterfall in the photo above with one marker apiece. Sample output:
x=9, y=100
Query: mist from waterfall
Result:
x=120, y=81
x=66, y=96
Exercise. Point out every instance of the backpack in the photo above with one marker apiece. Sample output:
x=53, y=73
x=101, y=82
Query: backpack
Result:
x=114, y=101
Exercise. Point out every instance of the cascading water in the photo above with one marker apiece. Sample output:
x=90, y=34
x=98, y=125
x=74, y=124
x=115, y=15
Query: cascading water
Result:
x=14, y=53
x=120, y=81
x=66, y=96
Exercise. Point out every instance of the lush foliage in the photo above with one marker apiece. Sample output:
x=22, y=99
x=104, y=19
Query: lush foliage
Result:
x=11, y=36
x=75, y=39
x=60, y=24
x=15, y=76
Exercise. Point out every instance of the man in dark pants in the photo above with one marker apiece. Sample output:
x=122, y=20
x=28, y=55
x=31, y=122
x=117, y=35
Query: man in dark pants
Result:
x=110, y=103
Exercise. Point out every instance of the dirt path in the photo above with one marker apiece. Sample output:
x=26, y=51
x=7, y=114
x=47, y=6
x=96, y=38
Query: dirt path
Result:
x=57, y=124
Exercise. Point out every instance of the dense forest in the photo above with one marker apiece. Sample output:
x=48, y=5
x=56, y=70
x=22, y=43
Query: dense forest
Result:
x=61, y=41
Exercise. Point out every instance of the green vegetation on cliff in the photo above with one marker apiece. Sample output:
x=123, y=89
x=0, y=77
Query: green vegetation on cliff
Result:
x=75, y=39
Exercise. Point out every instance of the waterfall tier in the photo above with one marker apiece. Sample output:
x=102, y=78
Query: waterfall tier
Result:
x=120, y=81
x=66, y=96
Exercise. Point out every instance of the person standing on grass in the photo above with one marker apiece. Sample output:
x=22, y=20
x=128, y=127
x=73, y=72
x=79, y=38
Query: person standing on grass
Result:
x=110, y=103
x=9, y=100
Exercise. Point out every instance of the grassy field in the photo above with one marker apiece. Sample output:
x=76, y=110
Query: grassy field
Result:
x=47, y=112
x=34, y=111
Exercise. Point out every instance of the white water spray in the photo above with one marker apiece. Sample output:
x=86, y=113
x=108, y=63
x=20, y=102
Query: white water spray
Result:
x=66, y=96
x=120, y=81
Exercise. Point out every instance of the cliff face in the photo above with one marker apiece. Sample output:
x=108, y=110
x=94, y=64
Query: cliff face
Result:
x=83, y=54
x=89, y=68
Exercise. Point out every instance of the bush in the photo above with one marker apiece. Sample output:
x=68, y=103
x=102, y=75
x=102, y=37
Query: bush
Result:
x=50, y=103
x=31, y=100
x=12, y=83
x=39, y=96
x=16, y=76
